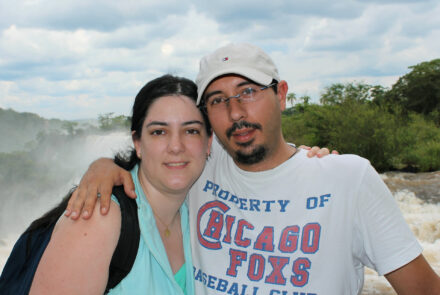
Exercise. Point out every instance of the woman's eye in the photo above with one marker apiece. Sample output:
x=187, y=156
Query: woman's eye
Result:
x=193, y=131
x=157, y=132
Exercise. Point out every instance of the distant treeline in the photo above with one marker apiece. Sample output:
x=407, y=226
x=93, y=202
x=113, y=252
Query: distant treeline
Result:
x=39, y=150
x=38, y=157
x=396, y=129
x=22, y=131
x=17, y=129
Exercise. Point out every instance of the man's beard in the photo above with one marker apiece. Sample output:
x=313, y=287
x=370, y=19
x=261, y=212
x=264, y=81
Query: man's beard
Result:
x=256, y=156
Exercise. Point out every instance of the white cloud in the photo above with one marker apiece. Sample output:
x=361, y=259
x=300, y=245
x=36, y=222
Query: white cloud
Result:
x=77, y=59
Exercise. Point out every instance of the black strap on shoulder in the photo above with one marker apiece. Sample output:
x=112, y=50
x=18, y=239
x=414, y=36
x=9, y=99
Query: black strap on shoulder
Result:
x=126, y=250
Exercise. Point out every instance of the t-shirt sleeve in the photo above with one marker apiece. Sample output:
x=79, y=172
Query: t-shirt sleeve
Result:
x=387, y=240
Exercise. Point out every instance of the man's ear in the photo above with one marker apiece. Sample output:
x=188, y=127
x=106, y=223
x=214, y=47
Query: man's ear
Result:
x=282, y=94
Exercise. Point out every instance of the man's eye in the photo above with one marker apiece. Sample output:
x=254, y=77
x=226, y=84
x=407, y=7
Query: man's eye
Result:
x=248, y=91
x=216, y=100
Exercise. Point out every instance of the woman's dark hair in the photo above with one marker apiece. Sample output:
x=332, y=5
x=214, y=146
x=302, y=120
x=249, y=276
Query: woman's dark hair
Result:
x=163, y=86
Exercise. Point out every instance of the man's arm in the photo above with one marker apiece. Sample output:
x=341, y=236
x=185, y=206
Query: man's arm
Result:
x=416, y=277
x=100, y=178
x=103, y=174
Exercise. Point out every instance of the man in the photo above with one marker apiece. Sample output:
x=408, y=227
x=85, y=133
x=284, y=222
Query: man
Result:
x=268, y=220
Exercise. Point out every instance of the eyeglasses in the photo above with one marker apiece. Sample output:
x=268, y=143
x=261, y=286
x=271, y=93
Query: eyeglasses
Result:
x=246, y=95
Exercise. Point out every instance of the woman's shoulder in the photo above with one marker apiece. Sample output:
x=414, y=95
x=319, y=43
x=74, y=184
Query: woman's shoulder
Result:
x=79, y=252
x=110, y=223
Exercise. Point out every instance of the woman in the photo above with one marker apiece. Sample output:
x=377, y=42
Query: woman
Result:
x=172, y=140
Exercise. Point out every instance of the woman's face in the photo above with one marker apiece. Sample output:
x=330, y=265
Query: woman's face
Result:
x=173, y=144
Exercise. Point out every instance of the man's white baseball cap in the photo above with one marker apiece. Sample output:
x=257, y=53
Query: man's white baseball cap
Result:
x=242, y=59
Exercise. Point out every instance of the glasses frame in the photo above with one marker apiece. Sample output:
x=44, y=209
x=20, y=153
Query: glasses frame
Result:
x=238, y=97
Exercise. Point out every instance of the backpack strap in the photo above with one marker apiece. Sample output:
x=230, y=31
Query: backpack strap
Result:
x=18, y=272
x=126, y=250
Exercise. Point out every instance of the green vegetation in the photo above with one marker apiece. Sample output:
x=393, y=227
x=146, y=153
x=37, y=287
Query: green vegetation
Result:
x=109, y=122
x=17, y=129
x=42, y=151
x=48, y=159
x=418, y=91
x=396, y=129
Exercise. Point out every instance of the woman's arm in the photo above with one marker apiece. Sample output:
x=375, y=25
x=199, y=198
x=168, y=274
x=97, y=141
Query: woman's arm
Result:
x=77, y=258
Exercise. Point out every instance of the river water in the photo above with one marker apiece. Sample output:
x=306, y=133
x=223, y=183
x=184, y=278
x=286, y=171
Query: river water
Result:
x=418, y=196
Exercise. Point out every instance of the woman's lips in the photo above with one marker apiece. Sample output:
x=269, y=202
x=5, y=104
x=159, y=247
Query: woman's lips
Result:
x=176, y=165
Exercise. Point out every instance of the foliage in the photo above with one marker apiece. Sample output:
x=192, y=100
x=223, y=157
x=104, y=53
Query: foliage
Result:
x=12, y=164
x=291, y=97
x=111, y=122
x=418, y=91
x=70, y=127
x=338, y=93
x=348, y=121
x=420, y=145
x=46, y=150
x=299, y=102
x=17, y=129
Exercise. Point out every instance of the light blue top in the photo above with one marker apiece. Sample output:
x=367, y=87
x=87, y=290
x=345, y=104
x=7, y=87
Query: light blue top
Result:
x=151, y=272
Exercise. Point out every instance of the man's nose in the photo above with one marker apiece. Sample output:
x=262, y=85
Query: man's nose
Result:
x=236, y=109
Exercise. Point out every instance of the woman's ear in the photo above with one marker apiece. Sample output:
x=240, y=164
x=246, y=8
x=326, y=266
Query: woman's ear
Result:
x=137, y=143
x=208, y=152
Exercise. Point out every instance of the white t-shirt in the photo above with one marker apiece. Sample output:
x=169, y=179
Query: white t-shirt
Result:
x=306, y=227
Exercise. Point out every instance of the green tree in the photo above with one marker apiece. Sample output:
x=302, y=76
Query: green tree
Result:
x=70, y=127
x=418, y=145
x=339, y=93
x=298, y=103
x=419, y=90
x=294, y=99
x=109, y=121
x=349, y=122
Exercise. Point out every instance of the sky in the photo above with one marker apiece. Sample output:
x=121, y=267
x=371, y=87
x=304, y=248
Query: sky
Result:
x=76, y=59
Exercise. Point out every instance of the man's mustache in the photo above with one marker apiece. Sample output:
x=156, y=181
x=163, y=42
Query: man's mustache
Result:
x=241, y=124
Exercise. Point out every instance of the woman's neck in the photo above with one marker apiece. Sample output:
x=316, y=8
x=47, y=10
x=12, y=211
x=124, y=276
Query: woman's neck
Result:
x=165, y=204
x=165, y=207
